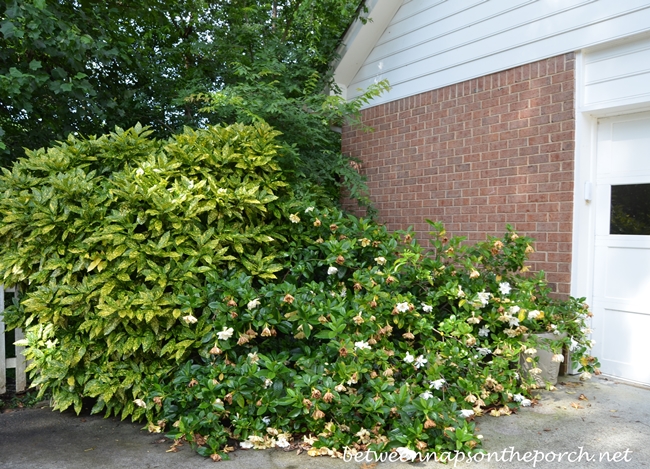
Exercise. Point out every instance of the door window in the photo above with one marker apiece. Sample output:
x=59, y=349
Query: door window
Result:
x=630, y=209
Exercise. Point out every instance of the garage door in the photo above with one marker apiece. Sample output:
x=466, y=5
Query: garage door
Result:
x=621, y=300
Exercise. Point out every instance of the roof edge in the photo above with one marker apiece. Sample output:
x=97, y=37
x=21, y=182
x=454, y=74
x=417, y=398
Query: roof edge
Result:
x=360, y=39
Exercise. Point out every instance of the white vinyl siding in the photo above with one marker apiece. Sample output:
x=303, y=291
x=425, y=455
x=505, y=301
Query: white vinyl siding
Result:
x=617, y=76
x=433, y=43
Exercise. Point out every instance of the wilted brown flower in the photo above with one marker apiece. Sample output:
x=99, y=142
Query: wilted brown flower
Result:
x=408, y=336
x=328, y=397
x=215, y=350
x=317, y=222
x=288, y=298
x=266, y=332
x=232, y=303
x=307, y=403
x=357, y=286
x=251, y=333
x=343, y=352
x=233, y=314
x=243, y=339
x=315, y=393
x=193, y=382
x=318, y=414
x=215, y=457
x=428, y=423
x=334, y=227
x=228, y=398
x=340, y=260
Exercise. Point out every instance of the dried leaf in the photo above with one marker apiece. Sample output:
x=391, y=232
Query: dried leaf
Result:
x=582, y=397
x=575, y=405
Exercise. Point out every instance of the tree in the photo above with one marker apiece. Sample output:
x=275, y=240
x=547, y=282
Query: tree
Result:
x=85, y=66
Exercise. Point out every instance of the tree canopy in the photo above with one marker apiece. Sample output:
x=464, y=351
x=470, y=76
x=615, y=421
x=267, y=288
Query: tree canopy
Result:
x=84, y=66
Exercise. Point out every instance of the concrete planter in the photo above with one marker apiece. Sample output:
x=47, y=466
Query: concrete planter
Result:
x=550, y=369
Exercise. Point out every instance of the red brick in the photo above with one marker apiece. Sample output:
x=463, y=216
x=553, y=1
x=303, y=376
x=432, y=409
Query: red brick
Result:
x=479, y=155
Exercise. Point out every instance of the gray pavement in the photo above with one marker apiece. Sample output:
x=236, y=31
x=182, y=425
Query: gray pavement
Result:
x=610, y=424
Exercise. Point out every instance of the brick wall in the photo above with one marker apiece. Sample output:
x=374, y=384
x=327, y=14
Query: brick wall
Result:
x=478, y=155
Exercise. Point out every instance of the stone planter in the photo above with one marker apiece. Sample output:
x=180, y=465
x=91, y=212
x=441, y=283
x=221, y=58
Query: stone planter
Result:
x=550, y=369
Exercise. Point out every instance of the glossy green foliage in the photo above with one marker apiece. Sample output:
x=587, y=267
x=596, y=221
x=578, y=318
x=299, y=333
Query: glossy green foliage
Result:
x=111, y=241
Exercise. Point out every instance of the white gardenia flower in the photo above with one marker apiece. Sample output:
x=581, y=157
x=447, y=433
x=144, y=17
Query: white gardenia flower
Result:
x=574, y=344
x=513, y=322
x=140, y=403
x=484, y=351
x=518, y=398
x=282, y=442
x=484, y=331
x=309, y=209
x=526, y=402
x=252, y=304
x=245, y=444
x=585, y=376
x=406, y=455
x=426, y=395
x=484, y=297
x=139, y=171
x=402, y=307
x=461, y=293
x=409, y=358
x=534, y=314
x=426, y=308
x=465, y=413
x=420, y=361
x=504, y=288
x=380, y=260
x=267, y=384
x=294, y=218
x=514, y=309
x=189, y=319
x=558, y=358
x=332, y=270
x=361, y=345
x=437, y=384
x=266, y=420
x=226, y=333
x=530, y=351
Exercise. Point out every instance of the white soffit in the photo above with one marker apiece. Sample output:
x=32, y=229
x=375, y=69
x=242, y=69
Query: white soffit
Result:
x=361, y=38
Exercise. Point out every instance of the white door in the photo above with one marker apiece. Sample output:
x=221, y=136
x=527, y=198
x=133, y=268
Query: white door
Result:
x=621, y=299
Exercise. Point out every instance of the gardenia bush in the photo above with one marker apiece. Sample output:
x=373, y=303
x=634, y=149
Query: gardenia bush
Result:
x=366, y=342
x=184, y=282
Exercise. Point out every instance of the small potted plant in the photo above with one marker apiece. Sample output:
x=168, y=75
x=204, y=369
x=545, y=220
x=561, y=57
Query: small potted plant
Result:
x=556, y=329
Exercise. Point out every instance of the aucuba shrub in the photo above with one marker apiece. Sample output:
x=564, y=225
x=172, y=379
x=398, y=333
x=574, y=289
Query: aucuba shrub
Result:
x=366, y=340
x=111, y=240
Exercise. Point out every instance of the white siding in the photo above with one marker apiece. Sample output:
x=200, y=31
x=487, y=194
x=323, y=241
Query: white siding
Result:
x=433, y=43
x=617, y=76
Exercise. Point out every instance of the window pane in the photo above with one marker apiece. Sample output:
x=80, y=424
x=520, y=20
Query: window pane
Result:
x=630, y=213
